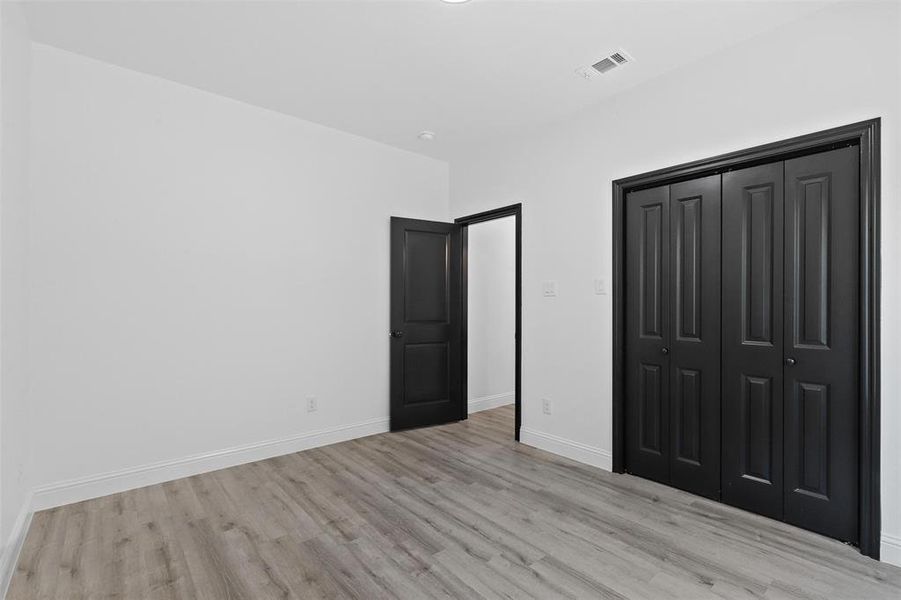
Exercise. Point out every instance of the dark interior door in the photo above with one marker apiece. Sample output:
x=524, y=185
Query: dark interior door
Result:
x=821, y=342
x=426, y=261
x=647, y=333
x=695, y=340
x=752, y=339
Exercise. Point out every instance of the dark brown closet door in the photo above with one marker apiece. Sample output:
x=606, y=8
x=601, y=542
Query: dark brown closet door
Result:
x=647, y=333
x=752, y=339
x=821, y=342
x=695, y=341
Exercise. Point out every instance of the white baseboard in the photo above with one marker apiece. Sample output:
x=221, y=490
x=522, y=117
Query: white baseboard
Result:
x=583, y=453
x=489, y=402
x=95, y=486
x=10, y=552
x=890, y=549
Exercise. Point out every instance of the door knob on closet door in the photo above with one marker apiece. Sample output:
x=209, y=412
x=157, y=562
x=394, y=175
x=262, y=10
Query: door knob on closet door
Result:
x=790, y=362
x=396, y=334
x=664, y=350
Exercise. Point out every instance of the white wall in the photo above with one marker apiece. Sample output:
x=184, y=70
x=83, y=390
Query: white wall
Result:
x=491, y=308
x=197, y=268
x=795, y=80
x=15, y=427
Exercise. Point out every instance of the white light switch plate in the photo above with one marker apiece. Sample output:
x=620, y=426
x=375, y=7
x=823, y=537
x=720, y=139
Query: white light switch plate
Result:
x=549, y=288
x=600, y=287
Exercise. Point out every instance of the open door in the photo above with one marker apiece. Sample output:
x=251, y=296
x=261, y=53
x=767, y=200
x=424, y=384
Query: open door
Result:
x=426, y=349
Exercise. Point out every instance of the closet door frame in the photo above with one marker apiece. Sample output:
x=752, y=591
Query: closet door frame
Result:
x=864, y=135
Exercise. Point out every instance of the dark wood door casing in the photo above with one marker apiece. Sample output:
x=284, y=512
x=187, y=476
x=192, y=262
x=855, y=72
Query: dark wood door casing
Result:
x=515, y=211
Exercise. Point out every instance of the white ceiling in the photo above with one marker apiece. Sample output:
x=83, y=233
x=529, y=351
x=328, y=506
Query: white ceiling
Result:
x=388, y=69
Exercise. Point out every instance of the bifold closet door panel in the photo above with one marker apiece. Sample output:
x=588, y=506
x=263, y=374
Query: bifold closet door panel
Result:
x=695, y=341
x=752, y=277
x=647, y=333
x=821, y=339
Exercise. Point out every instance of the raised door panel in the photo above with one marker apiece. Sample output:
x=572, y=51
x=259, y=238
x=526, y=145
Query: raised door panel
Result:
x=752, y=264
x=695, y=349
x=687, y=429
x=427, y=373
x=647, y=330
x=650, y=296
x=426, y=286
x=821, y=340
x=812, y=440
x=650, y=407
x=756, y=431
x=688, y=279
x=757, y=236
x=810, y=232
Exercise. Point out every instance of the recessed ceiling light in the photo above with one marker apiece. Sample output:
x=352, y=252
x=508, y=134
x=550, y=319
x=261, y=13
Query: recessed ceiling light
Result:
x=427, y=136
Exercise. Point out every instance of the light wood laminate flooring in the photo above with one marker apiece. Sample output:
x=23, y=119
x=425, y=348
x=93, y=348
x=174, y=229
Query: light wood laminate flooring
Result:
x=458, y=511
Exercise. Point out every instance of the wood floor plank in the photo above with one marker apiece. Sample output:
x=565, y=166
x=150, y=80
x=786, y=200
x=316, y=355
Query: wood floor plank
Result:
x=457, y=511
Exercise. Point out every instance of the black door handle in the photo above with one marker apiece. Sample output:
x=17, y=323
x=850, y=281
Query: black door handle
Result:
x=790, y=362
x=664, y=350
x=396, y=334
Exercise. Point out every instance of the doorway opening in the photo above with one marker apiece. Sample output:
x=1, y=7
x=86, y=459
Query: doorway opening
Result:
x=492, y=314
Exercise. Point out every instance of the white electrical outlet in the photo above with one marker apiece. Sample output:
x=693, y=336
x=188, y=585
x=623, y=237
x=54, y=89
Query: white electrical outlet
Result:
x=546, y=406
x=549, y=288
x=312, y=404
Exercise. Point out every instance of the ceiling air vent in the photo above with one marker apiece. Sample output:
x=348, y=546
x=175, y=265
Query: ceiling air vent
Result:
x=606, y=64
x=602, y=66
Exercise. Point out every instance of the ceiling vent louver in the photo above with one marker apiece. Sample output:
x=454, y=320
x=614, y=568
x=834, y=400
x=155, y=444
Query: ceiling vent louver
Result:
x=606, y=64
x=602, y=66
